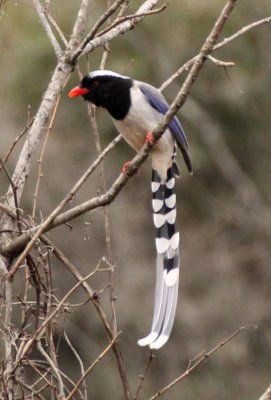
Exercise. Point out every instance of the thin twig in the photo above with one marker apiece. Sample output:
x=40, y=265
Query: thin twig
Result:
x=143, y=376
x=132, y=18
x=14, y=191
x=84, y=386
x=16, y=140
x=23, y=239
x=31, y=341
x=99, y=309
x=90, y=368
x=192, y=367
x=40, y=160
x=103, y=18
x=108, y=36
x=42, y=16
x=55, y=371
x=92, y=116
x=221, y=63
x=219, y=45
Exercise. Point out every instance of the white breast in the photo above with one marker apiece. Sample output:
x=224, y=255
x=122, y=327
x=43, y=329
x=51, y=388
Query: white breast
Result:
x=141, y=119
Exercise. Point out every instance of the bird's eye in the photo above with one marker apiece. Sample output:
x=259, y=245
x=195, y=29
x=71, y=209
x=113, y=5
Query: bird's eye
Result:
x=95, y=84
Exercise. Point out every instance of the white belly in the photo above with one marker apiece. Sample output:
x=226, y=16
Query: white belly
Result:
x=135, y=135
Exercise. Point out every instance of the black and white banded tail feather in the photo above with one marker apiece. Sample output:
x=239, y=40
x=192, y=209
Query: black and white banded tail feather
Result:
x=168, y=259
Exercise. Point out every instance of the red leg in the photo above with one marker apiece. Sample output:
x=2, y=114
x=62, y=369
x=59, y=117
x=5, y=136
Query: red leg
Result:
x=125, y=166
x=149, y=138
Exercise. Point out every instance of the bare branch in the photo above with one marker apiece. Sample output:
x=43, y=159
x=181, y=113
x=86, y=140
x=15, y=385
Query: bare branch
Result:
x=37, y=332
x=16, y=140
x=42, y=16
x=90, y=368
x=196, y=364
x=108, y=36
x=36, y=191
x=111, y=194
x=133, y=18
x=80, y=25
x=110, y=11
x=84, y=386
x=221, y=63
x=223, y=43
x=143, y=376
x=57, y=375
x=267, y=394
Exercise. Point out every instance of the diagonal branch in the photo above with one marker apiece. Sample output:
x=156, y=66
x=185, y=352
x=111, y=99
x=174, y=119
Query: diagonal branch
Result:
x=42, y=16
x=223, y=43
x=196, y=364
x=138, y=160
x=108, y=36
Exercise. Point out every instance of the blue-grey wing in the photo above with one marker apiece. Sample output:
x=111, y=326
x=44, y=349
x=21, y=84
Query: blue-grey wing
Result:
x=157, y=101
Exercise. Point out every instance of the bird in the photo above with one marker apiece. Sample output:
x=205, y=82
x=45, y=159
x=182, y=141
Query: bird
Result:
x=136, y=109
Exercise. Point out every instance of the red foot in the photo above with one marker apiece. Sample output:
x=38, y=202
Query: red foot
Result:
x=149, y=138
x=124, y=168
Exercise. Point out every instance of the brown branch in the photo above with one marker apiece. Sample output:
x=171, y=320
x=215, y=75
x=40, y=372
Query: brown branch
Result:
x=221, y=44
x=99, y=309
x=92, y=366
x=84, y=386
x=36, y=232
x=37, y=332
x=92, y=116
x=61, y=393
x=132, y=18
x=103, y=18
x=108, y=36
x=105, y=199
x=143, y=376
x=16, y=140
x=267, y=394
x=40, y=160
x=197, y=363
x=42, y=17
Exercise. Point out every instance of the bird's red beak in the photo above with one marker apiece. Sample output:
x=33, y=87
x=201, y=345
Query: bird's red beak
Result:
x=78, y=91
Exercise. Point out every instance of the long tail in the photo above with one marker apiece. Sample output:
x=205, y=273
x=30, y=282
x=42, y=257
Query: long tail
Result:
x=168, y=260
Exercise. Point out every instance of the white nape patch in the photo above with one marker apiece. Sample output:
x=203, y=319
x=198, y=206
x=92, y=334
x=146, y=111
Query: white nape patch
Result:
x=171, y=216
x=157, y=204
x=171, y=201
x=159, y=342
x=148, y=339
x=174, y=241
x=159, y=220
x=155, y=186
x=172, y=277
x=170, y=184
x=162, y=245
x=106, y=72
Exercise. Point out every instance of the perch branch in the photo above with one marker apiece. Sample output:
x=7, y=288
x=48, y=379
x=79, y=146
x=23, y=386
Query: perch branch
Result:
x=116, y=187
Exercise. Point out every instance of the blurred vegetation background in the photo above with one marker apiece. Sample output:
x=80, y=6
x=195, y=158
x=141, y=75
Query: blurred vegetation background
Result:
x=223, y=209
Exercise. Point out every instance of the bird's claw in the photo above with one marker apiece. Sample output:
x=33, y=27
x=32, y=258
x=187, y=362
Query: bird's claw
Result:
x=124, y=168
x=149, y=138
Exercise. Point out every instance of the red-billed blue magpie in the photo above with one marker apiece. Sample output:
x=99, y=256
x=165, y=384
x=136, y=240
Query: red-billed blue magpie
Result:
x=137, y=108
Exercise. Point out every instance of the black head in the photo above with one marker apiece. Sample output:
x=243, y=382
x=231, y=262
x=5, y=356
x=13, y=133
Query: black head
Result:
x=106, y=89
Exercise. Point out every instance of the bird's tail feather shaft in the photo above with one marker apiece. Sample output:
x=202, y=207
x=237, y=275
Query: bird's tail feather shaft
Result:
x=168, y=260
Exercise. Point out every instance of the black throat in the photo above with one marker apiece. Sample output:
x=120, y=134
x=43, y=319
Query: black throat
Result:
x=113, y=93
